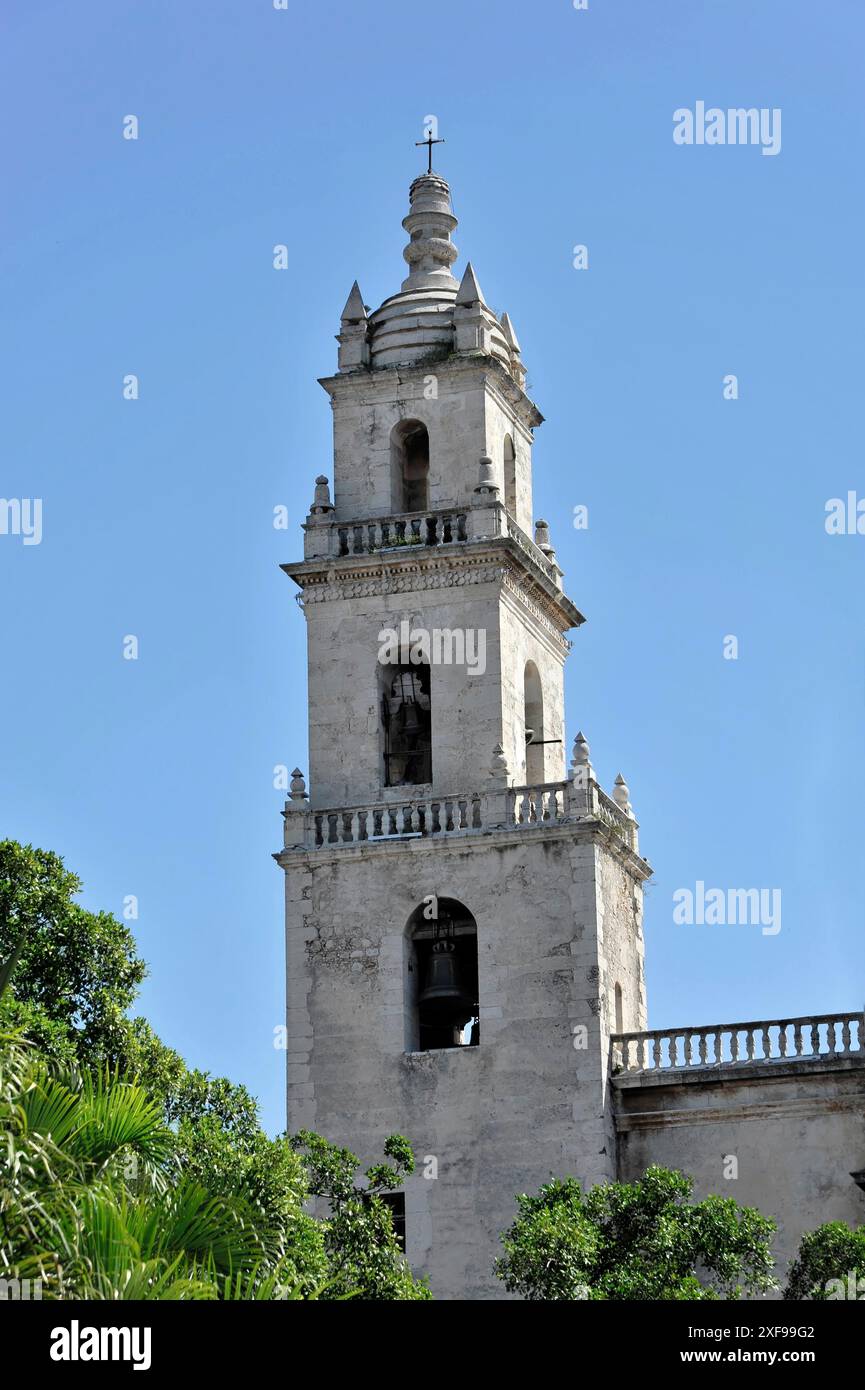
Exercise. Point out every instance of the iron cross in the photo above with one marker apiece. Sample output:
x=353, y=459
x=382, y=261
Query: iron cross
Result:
x=429, y=142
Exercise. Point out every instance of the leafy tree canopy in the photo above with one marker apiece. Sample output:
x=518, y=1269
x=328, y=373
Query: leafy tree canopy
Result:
x=68, y=978
x=640, y=1240
x=830, y=1264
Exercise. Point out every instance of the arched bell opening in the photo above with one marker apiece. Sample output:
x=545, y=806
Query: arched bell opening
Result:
x=442, y=1008
x=406, y=716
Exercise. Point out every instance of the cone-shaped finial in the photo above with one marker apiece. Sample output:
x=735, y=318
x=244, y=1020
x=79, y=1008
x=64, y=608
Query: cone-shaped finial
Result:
x=470, y=291
x=510, y=335
x=622, y=796
x=581, y=749
x=355, y=309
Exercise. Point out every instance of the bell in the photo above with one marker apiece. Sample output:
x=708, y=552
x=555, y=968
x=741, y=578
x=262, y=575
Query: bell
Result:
x=443, y=992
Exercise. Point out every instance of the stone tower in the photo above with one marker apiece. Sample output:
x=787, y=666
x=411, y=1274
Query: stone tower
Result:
x=463, y=913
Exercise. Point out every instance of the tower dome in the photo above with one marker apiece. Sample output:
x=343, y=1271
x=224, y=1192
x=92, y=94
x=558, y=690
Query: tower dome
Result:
x=422, y=320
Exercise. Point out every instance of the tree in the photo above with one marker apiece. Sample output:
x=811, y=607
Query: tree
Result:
x=365, y=1260
x=94, y=1205
x=67, y=980
x=74, y=973
x=644, y=1240
x=829, y=1264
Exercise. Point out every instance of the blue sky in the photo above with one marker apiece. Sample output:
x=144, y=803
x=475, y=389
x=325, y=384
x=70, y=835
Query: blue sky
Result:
x=706, y=516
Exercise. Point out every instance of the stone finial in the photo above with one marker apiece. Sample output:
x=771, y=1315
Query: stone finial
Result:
x=518, y=371
x=355, y=309
x=581, y=763
x=321, y=502
x=353, y=336
x=542, y=539
x=510, y=335
x=580, y=756
x=298, y=788
x=499, y=765
x=473, y=321
x=622, y=796
x=469, y=291
x=487, y=487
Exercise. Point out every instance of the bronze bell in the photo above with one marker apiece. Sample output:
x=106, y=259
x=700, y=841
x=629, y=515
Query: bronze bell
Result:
x=443, y=992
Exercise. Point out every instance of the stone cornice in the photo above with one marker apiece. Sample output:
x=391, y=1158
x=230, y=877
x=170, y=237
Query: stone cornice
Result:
x=497, y=560
x=751, y=1109
x=472, y=841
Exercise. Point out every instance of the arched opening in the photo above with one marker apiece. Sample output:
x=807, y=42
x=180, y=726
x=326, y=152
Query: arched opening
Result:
x=620, y=1026
x=406, y=714
x=409, y=443
x=441, y=977
x=510, y=462
x=533, y=698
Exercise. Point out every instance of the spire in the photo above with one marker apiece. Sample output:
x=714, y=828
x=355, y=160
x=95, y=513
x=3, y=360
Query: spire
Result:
x=469, y=291
x=518, y=371
x=510, y=335
x=430, y=221
x=355, y=309
x=353, y=336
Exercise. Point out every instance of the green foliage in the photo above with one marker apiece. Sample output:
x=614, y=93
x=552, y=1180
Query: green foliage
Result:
x=128, y=1175
x=628, y=1241
x=833, y=1252
x=365, y=1260
x=76, y=973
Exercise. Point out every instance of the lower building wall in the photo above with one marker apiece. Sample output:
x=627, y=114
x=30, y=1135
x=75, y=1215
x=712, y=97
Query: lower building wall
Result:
x=796, y=1131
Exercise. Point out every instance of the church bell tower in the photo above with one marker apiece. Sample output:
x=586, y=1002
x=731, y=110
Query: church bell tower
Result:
x=463, y=910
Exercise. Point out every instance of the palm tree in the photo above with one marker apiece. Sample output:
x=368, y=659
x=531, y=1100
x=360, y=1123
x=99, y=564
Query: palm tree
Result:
x=93, y=1202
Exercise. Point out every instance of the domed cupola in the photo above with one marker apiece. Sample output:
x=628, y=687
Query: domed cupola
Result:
x=433, y=315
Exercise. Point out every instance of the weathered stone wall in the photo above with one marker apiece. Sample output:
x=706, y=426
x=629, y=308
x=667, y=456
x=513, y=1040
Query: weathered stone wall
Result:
x=468, y=418
x=622, y=949
x=345, y=689
x=500, y=420
x=499, y=1118
x=796, y=1128
x=523, y=642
